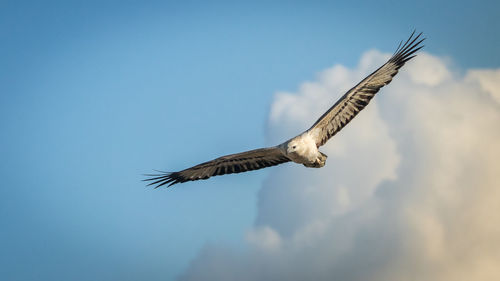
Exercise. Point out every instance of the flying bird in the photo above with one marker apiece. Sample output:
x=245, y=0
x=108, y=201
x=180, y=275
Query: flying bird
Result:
x=302, y=149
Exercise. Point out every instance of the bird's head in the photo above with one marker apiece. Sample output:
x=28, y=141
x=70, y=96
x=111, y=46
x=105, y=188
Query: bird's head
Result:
x=292, y=147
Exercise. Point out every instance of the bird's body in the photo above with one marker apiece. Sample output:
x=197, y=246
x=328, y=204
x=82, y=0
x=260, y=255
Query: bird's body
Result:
x=302, y=149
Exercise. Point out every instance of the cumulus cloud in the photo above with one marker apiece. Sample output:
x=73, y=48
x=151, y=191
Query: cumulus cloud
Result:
x=410, y=190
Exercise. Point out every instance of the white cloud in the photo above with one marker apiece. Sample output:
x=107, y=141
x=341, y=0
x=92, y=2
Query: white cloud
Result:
x=488, y=80
x=264, y=238
x=410, y=190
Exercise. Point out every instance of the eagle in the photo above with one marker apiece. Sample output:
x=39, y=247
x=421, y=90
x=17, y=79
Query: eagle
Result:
x=302, y=149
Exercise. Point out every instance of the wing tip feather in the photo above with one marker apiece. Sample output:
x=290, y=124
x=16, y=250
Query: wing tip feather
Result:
x=158, y=180
x=405, y=52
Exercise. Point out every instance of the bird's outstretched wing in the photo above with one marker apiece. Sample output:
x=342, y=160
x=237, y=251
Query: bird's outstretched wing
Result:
x=234, y=163
x=349, y=105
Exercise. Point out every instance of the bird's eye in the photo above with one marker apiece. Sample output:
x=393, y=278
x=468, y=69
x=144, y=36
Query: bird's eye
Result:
x=294, y=146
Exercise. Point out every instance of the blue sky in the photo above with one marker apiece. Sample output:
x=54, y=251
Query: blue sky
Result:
x=95, y=93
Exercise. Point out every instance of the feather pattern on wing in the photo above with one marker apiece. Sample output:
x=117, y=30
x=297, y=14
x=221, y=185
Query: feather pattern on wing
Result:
x=349, y=105
x=229, y=164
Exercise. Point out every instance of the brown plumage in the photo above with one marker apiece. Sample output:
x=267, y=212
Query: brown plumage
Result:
x=229, y=164
x=349, y=105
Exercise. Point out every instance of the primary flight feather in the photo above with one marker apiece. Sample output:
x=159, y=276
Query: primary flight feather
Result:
x=302, y=149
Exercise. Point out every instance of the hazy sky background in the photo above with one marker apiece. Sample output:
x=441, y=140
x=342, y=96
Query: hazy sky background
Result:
x=95, y=93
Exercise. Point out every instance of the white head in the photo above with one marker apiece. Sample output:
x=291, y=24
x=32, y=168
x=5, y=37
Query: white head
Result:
x=302, y=146
x=293, y=146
